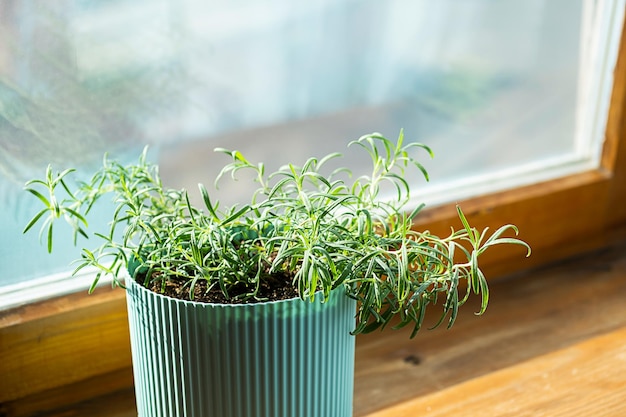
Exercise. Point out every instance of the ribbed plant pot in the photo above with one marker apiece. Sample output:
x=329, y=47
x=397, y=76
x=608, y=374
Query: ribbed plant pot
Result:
x=286, y=358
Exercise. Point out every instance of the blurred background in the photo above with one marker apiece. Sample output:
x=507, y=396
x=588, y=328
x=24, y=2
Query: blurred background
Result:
x=498, y=89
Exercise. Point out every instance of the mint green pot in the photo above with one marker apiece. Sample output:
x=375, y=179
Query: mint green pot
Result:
x=286, y=358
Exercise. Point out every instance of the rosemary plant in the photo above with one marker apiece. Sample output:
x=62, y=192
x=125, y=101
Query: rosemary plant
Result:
x=306, y=230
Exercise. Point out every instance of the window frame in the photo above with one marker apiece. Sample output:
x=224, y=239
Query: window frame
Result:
x=77, y=338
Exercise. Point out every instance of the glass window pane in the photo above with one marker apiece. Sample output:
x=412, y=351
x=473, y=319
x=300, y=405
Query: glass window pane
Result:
x=490, y=85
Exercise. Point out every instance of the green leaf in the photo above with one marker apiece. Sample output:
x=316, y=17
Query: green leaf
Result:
x=484, y=291
x=35, y=181
x=50, y=237
x=34, y=220
x=77, y=216
x=468, y=229
x=43, y=199
x=207, y=201
x=421, y=146
x=60, y=177
x=94, y=283
x=79, y=267
x=236, y=215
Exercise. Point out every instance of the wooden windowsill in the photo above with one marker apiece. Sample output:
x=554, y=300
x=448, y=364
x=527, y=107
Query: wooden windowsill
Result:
x=551, y=343
x=585, y=379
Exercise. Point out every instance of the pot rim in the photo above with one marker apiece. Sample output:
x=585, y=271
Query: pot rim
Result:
x=318, y=298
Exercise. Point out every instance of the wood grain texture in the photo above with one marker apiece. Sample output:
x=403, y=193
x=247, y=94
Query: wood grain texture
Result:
x=116, y=386
x=587, y=379
x=55, y=343
x=616, y=124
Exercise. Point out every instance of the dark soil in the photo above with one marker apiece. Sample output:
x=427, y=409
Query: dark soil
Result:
x=272, y=288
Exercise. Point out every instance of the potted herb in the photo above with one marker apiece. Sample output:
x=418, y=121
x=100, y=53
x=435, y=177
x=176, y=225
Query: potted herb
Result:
x=250, y=310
